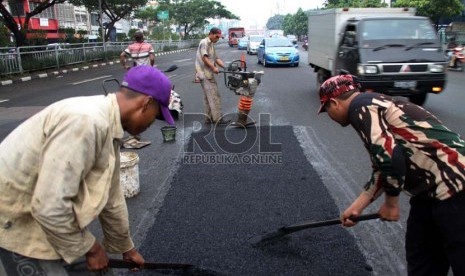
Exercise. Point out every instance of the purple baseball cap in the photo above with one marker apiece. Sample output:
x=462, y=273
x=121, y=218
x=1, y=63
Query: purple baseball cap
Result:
x=152, y=82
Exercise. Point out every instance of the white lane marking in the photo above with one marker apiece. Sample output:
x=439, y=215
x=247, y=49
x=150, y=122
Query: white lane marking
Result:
x=89, y=80
x=182, y=60
x=6, y=100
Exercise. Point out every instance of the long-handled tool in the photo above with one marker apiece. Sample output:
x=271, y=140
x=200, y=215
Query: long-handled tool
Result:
x=259, y=239
x=169, y=69
x=184, y=269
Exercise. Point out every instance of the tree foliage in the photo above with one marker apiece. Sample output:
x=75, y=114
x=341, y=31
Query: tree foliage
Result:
x=115, y=10
x=296, y=24
x=192, y=15
x=4, y=36
x=146, y=14
x=330, y=4
x=434, y=9
x=20, y=30
x=275, y=22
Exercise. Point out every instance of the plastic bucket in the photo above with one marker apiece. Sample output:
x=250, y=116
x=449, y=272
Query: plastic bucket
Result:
x=169, y=133
x=129, y=173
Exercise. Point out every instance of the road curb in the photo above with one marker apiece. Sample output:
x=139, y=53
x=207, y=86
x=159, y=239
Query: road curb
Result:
x=74, y=69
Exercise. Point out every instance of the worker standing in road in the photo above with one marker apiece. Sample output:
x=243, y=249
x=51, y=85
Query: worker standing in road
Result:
x=411, y=151
x=141, y=52
x=206, y=65
x=59, y=170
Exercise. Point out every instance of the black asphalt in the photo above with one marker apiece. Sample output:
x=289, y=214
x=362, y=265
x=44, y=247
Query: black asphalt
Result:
x=212, y=209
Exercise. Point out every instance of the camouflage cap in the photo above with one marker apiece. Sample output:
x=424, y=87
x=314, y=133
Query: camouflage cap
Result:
x=336, y=86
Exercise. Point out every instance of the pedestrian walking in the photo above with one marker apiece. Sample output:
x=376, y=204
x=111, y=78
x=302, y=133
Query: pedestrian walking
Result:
x=206, y=66
x=59, y=170
x=141, y=52
x=411, y=151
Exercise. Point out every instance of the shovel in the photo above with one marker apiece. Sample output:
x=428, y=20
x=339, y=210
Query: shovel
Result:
x=167, y=268
x=169, y=69
x=259, y=239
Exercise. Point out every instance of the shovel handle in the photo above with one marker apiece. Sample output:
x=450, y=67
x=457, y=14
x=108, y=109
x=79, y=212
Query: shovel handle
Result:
x=310, y=224
x=116, y=263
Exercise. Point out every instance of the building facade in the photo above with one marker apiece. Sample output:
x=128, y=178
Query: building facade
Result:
x=60, y=16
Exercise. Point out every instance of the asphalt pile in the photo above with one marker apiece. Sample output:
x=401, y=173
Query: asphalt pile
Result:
x=215, y=205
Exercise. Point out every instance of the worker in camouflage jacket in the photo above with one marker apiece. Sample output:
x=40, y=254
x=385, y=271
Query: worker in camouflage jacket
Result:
x=411, y=151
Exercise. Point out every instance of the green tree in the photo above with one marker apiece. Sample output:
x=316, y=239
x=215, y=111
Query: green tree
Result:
x=192, y=15
x=147, y=14
x=4, y=36
x=288, y=24
x=434, y=9
x=17, y=10
x=301, y=25
x=330, y=4
x=275, y=22
x=131, y=33
x=68, y=34
x=115, y=10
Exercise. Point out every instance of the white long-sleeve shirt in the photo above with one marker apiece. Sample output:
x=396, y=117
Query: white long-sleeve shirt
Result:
x=59, y=170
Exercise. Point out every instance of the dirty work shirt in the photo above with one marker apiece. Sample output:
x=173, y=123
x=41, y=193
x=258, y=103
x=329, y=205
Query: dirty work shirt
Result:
x=212, y=99
x=140, y=53
x=58, y=171
x=205, y=49
x=411, y=150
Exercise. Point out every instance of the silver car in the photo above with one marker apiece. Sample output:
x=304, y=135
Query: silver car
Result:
x=252, y=45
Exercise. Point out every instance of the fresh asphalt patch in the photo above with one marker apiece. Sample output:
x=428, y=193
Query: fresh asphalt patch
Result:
x=233, y=184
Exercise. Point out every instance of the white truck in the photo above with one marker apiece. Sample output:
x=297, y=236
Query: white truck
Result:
x=390, y=50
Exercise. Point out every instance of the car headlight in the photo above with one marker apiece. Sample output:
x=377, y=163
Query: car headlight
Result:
x=367, y=69
x=436, y=68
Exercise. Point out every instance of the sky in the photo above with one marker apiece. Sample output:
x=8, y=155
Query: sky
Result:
x=256, y=12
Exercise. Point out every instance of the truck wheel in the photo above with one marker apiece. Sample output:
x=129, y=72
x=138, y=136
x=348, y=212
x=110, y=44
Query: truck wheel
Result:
x=418, y=99
x=321, y=76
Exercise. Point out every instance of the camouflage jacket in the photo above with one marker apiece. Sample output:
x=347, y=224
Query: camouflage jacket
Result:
x=410, y=149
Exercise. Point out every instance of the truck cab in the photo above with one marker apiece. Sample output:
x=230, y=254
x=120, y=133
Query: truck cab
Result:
x=400, y=56
x=234, y=35
x=390, y=50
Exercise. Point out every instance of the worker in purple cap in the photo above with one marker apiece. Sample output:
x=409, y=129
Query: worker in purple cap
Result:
x=413, y=152
x=59, y=171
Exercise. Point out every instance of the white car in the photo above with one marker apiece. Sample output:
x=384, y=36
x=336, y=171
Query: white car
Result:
x=292, y=38
x=253, y=43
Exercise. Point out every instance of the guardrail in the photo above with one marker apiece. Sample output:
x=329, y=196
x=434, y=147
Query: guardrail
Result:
x=26, y=59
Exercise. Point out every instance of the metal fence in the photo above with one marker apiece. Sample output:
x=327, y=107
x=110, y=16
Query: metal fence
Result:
x=35, y=58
